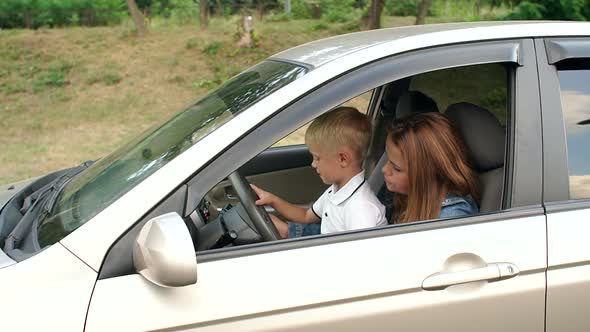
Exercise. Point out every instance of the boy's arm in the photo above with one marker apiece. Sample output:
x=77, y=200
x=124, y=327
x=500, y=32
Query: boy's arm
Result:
x=286, y=209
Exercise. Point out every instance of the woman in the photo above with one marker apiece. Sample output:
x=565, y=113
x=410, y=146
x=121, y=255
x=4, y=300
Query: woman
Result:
x=427, y=168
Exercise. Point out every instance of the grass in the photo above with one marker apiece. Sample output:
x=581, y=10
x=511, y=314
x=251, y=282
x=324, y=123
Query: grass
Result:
x=74, y=94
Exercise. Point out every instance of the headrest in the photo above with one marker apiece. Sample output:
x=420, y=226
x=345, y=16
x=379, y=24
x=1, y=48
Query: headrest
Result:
x=412, y=102
x=482, y=133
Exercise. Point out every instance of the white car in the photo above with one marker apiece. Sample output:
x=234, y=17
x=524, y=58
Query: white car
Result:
x=163, y=233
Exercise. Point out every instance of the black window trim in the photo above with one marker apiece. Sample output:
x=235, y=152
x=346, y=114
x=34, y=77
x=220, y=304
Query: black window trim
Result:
x=355, y=82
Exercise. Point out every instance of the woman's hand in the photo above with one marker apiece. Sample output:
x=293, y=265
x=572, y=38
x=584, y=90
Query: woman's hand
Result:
x=264, y=197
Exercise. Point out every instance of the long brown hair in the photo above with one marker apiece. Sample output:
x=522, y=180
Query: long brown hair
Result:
x=437, y=163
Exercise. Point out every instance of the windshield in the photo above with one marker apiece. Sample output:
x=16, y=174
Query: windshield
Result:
x=109, y=178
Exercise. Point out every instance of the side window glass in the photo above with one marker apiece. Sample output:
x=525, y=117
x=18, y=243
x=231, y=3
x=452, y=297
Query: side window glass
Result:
x=482, y=85
x=575, y=99
x=360, y=102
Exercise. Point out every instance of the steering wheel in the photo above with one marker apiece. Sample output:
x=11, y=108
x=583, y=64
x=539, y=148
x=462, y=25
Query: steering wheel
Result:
x=257, y=214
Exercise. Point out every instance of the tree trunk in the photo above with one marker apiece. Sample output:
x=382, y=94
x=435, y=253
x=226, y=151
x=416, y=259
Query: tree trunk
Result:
x=422, y=11
x=204, y=13
x=137, y=18
x=28, y=19
x=219, y=8
x=477, y=7
x=375, y=14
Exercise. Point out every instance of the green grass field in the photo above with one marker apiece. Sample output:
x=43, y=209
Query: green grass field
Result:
x=74, y=94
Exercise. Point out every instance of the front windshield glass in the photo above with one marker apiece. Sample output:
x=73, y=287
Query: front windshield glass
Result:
x=112, y=176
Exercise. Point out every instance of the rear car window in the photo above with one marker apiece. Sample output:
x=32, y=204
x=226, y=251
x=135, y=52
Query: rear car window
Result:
x=575, y=100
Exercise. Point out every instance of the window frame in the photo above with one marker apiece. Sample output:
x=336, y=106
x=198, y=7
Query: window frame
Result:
x=525, y=189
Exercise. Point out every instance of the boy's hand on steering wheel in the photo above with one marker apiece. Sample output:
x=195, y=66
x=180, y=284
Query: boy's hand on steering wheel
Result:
x=264, y=197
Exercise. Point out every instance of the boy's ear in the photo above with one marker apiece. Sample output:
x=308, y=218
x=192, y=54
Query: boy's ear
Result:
x=345, y=157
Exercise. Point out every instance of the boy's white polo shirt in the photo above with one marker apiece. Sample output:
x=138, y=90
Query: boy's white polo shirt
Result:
x=354, y=206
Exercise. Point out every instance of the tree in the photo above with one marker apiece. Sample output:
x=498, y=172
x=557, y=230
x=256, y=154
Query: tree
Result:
x=137, y=17
x=219, y=8
x=204, y=13
x=422, y=11
x=574, y=10
x=375, y=14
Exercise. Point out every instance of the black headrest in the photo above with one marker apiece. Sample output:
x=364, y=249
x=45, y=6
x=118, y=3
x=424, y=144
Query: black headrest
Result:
x=482, y=133
x=412, y=102
x=391, y=95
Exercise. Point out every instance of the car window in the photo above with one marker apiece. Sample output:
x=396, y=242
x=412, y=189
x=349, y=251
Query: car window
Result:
x=482, y=85
x=114, y=175
x=575, y=99
x=360, y=102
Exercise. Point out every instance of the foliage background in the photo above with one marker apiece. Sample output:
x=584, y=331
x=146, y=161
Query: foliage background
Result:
x=76, y=80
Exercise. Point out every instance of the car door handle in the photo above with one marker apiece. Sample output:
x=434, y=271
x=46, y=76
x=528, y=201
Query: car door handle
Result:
x=491, y=272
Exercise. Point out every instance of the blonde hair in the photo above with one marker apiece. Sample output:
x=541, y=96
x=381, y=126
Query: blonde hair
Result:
x=341, y=127
x=437, y=165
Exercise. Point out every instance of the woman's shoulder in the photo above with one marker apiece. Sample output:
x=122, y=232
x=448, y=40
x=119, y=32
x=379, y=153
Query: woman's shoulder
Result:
x=458, y=206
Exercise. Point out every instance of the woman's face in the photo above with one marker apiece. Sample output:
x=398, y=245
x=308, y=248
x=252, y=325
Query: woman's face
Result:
x=395, y=170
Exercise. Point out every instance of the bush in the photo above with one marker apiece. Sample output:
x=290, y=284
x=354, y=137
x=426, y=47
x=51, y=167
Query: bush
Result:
x=319, y=26
x=527, y=11
x=334, y=16
x=299, y=10
x=212, y=48
x=183, y=11
x=574, y=10
x=38, y=13
x=340, y=10
x=401, y=8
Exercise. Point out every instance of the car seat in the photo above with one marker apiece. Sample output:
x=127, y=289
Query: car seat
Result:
x=485, y=139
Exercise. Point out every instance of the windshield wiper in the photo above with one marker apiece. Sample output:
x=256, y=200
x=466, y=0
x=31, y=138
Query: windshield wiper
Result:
x=59, y=185
x=31, y=203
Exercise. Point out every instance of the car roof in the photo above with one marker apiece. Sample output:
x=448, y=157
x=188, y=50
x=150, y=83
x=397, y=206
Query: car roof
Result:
x=320, y=52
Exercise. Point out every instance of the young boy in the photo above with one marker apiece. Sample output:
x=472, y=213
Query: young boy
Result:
x=338, y=141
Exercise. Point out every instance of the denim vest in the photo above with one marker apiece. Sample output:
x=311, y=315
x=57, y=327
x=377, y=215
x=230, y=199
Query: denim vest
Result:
x=457, y=206
x=452, y=206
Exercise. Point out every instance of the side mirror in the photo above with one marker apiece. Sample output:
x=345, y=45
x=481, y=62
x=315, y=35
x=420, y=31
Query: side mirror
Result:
x=163, y=252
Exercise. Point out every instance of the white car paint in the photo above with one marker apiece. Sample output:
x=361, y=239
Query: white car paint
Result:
x=47, y=292
x=263, y=289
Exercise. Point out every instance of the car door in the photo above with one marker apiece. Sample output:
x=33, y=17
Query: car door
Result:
x=441, y=274
x=565, y=86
